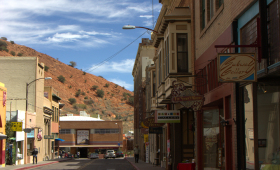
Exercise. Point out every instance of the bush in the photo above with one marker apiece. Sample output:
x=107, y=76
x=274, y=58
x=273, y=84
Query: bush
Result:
x=84, y=73
x=61, y=79
x=46, y=68
x=100, y=93
x=71, y=76
x=12, y=42
x=19, y=54
x=2, y=43
x=112, y=94
x=80, y=106
x=88, y=102
x=106, y=85
x=13, y=53
x=116, y=85
x=3, y=48
x=72, y=63
x=83, y=93
x=94, y=87
x=72, y=100
x=100, y=76
x=85, y=81
x=4, y=38
x=69, y=86
x=85, y=97
x=131, y=100
x=77, y=94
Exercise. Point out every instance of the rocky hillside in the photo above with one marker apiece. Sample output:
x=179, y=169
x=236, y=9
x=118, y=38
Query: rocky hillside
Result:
x=80, y=86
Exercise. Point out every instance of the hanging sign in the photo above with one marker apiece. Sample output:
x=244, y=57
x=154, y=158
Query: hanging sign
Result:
x=167, y=116
x=187, y=97
x=155, y=130
x=39, y=135
x=16, y=126
x=150, y=122
x=237, y=67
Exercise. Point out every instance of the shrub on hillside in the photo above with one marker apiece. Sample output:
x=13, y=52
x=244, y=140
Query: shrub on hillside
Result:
x=46, y=68
x=69, y=86
x=107, y=85
x=72, y=100
x=19, y=54
x=83, y=93
x=12, y=42
x=4, y=38
x=84, y=73
x=80, y=106
x=13, y=53
x=116, y=85
x=2, y=43
x=94, y=87
x=131, y=100
x=100, y=93
x=77, y=94
x=72, y=63
x=100, y=76
x=85, y=97
x=88, y=101
x=61, y=79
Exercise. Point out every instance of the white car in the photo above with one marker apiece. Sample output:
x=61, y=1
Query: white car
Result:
x=94, y=156
x=110, y=154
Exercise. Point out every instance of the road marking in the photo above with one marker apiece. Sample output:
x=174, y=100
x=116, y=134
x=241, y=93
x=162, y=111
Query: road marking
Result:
x=86, y=164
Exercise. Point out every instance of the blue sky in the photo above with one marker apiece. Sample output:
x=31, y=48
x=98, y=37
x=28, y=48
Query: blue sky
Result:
x=88, y=32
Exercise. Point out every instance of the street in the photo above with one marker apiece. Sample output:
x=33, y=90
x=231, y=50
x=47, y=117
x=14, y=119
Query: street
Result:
x=89, y=164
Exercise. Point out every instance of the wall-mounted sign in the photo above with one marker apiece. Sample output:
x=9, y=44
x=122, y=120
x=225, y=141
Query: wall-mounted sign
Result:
x=30, y=134
x=16, y=126
x=219, y=157
x=48, y=136
x=39, y=135
x=155, y=130
x=150, y=122
x=237, y=67
x=187, y=97
x=82, y=137
x=167, y=116
x=143, y=126
x=4, y=98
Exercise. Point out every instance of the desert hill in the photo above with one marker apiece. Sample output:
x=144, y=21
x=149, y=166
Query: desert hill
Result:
x=116, y=104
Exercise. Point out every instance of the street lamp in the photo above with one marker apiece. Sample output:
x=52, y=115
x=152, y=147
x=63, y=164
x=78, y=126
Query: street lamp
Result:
x=127, y=27
x=26, y=130
x=118, y=135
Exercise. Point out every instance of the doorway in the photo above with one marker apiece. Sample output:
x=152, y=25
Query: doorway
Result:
x=83, y=152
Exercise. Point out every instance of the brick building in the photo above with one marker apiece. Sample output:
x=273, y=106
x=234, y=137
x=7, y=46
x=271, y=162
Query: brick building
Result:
x=86, y=135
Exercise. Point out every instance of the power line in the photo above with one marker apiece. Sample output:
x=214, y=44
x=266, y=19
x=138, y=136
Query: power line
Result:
x=111, y=57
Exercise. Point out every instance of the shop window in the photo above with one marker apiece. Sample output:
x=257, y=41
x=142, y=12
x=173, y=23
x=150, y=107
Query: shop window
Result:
x=213, y=144
x=268, y=126
x=182, y=52
x=65, y=131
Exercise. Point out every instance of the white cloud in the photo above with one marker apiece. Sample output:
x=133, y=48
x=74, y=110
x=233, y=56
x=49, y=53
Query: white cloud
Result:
x=122, y=84
x=146, y=16
x=124, y=66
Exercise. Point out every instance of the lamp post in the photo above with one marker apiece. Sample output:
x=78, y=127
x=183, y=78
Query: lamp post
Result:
x=127, y=27
x=26, y=110
x=119, y=144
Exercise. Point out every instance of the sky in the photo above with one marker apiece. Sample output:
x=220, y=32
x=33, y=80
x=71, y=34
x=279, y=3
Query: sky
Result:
x=88, y=32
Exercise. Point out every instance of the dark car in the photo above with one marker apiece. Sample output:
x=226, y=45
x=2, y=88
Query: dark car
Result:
x=119, y=154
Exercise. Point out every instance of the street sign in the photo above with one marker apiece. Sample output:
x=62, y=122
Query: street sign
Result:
x=49, y=137
x=16, y=126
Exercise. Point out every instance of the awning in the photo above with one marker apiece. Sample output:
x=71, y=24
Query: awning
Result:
x=58, y=139
x=3, y=136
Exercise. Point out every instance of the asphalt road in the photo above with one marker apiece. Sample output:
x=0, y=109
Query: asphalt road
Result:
x=90, y=164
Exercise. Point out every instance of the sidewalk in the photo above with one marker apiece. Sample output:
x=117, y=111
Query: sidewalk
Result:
x=31, y=165
x=142, y=165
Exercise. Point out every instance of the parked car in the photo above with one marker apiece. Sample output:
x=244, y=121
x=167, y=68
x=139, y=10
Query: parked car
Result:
x=94, y=156
x=110, y=154
x=119, y=154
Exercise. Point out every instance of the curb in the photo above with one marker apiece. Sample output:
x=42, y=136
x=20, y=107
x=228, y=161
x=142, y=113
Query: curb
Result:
x=135, y=167
x=35, y=166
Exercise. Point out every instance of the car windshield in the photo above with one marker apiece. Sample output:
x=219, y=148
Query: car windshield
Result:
x=110, y=151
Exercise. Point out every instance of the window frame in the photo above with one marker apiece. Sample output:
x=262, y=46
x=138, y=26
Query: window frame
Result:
x=182, y=52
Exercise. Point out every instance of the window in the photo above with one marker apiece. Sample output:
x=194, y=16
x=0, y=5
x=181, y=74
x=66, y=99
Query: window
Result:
x=211, y=10
x=167, y=57
x=53, y=113
x=221, y=2
x=65, y=131
x=182, y=53
x=202, y=14
x=102, y=131
x=154, y=84
x=57, y=115
x=159, y=69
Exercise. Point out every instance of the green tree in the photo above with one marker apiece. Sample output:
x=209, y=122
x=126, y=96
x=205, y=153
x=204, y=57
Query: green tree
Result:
x=94, y=87
x=13, y=53
x=106, y=85
x=131, y=100
x=19, y=54
x=100, y=93
x=4, y=38
x=61, y=79
x=72, y=100
x=72, y=64
x=12, y=42
x=46, y=68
